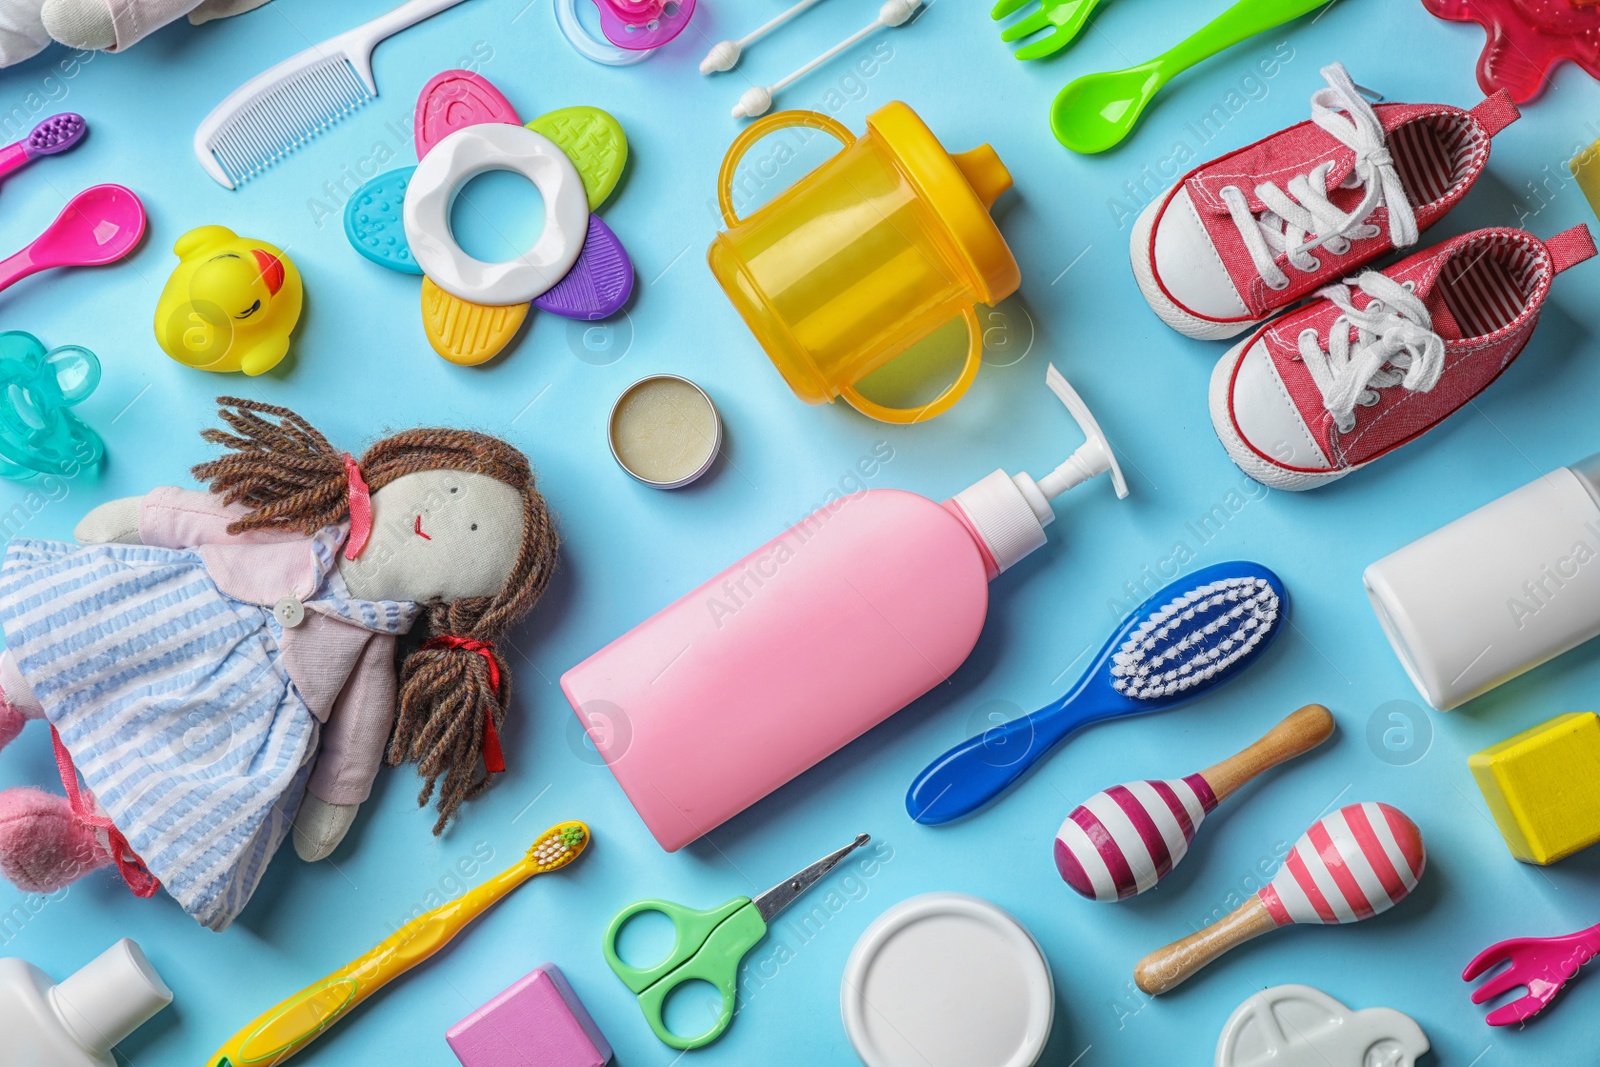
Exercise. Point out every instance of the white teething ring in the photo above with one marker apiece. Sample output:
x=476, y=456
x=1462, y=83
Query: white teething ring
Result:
x=458, y=159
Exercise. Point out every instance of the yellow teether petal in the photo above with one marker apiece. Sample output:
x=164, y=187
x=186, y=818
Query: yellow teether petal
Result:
x=595, y=143
x=465, y=333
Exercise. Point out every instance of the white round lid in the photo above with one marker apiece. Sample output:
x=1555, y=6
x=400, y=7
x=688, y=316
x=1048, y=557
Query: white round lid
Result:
x=947, y=980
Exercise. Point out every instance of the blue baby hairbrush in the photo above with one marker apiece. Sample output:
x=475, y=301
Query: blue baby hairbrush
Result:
x=1188, y=638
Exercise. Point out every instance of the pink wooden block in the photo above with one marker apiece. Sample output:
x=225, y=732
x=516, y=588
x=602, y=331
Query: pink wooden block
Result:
x=539, y=1022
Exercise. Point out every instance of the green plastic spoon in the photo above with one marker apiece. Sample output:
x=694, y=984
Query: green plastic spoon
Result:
x=1097, y=111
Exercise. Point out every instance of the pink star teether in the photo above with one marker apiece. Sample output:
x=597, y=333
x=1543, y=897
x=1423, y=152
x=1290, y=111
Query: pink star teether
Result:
x=1526, y=38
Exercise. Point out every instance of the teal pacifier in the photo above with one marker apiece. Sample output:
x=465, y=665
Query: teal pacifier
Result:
x=39, y=434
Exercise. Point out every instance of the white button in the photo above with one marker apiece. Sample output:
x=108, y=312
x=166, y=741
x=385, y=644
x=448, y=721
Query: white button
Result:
x=289, y=612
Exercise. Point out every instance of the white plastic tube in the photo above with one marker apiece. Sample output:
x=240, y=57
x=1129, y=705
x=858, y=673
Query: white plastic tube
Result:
x=1498, y=591
x=724, y=55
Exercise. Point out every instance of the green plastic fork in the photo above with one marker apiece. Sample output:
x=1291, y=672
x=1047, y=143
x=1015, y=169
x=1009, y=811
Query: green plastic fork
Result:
x=1065, y=19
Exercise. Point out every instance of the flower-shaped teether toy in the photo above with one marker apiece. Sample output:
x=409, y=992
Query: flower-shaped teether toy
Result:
x=39, y=434
x=577, y=268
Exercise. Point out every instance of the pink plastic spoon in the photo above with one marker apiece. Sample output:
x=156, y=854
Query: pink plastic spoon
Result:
x=98, y=226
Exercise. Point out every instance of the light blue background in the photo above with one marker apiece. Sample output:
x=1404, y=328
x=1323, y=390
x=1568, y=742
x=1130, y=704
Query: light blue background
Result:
x=361, y=365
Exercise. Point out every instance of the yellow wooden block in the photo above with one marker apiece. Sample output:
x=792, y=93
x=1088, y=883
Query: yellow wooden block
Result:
x=1543, y=787
x=464, y=332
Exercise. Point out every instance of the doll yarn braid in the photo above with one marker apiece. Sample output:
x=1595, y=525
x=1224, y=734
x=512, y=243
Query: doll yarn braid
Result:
x=453, y=693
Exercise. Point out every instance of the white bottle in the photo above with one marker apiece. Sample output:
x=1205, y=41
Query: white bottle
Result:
x=76, y=1023
x=1498, y=591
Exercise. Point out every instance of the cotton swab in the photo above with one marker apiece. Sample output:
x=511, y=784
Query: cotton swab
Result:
x=725, y=54
x=757, y=100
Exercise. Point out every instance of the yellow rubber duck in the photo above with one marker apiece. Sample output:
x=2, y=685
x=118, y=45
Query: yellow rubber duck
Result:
x=230, y=305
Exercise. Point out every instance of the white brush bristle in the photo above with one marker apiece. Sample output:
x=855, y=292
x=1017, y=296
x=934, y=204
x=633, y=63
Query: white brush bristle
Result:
x=288, y=115
x=1194, y=638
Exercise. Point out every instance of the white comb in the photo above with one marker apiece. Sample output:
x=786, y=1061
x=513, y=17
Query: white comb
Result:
x=274, y=113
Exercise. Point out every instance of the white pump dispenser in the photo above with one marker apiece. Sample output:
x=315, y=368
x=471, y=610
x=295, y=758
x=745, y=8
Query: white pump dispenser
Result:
x=76, y=1023
x=1010, y=512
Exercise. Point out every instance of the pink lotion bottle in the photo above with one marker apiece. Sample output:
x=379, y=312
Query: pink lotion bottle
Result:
x=811, y=640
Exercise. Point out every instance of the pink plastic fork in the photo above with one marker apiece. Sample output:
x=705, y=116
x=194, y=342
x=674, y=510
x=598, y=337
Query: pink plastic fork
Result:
x=1541, y=964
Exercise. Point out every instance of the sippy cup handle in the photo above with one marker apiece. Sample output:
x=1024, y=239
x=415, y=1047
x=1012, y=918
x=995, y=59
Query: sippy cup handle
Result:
x=759, y=129
x=939, y=404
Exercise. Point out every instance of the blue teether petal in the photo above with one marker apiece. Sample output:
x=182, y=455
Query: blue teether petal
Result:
x=374, y=222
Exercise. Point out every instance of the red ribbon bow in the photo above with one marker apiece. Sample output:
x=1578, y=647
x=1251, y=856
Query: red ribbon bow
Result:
x=494, y=759
x=360, y=509
x=129, y=865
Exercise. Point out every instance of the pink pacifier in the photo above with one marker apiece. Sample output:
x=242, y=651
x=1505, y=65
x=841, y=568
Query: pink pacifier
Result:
x=640, y=25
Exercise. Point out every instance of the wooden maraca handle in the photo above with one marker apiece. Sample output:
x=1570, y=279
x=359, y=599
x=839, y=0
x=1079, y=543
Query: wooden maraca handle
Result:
x=1166, y=968
x=1294, y=736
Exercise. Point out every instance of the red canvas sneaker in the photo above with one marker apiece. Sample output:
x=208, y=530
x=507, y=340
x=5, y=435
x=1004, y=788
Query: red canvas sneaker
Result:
x=1381, y=360
x=1247, y=235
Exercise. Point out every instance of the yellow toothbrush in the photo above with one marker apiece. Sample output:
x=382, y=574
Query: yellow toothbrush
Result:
x=291, y=1025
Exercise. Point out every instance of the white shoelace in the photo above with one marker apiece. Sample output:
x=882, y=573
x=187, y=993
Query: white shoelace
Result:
x=1303, y=219
x=1395, y=345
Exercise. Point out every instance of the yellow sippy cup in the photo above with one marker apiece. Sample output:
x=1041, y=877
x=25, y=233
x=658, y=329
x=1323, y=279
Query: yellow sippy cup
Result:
x=866, y=255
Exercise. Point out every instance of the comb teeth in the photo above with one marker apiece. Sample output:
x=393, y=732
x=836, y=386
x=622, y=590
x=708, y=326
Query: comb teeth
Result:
x=287, y=116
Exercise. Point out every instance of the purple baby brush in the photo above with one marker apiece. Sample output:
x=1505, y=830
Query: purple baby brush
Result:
x=55, y=134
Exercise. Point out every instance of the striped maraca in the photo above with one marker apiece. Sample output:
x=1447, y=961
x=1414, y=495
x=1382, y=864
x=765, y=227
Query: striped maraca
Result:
x=1361, y=860
x=1122, y=841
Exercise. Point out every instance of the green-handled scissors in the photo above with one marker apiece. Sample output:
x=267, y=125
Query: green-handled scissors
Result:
x=707, y=947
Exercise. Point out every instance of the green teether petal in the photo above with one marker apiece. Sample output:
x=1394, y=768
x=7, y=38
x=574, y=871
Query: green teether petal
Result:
x=374, y=221
x=595, y=143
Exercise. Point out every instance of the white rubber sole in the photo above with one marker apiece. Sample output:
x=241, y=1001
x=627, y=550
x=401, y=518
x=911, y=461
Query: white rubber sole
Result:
x=1144, y=272
x=1244, y=457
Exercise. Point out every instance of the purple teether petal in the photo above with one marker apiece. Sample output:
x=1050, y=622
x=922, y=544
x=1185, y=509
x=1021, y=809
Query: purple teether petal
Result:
x=56, y=134
x=598, y=284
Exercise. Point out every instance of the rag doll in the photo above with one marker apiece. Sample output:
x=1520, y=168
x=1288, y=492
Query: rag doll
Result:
x=216, y=667
x=27, y=26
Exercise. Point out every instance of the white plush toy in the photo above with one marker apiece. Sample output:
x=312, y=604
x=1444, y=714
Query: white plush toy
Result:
x=28, y=26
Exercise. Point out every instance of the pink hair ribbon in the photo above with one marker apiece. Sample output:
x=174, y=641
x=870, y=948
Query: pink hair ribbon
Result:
x=360, y=509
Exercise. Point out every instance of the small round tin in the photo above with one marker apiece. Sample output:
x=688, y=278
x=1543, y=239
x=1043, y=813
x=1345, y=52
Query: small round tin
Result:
x=665, y=431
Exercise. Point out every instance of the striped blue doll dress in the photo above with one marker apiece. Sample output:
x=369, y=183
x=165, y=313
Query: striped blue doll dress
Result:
x=174, y=702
